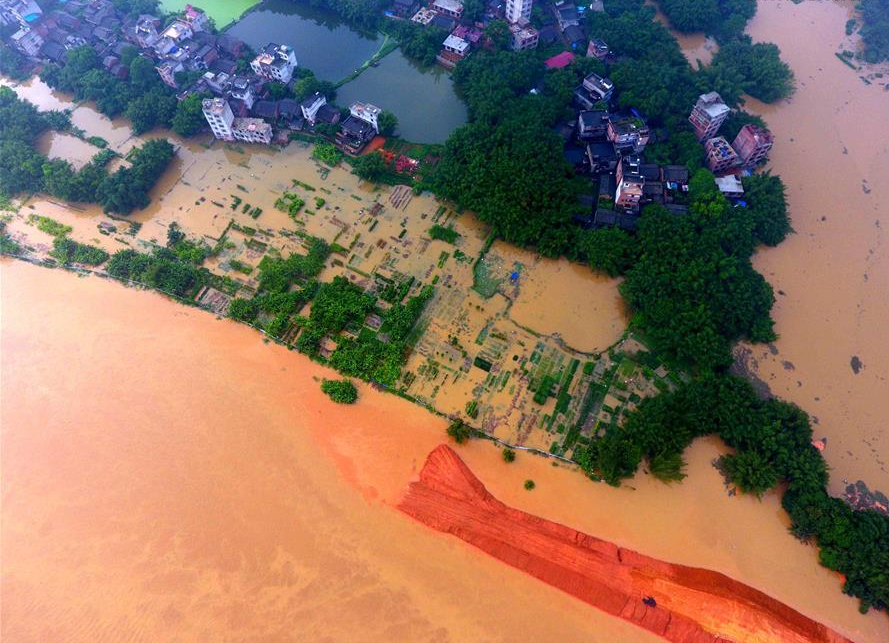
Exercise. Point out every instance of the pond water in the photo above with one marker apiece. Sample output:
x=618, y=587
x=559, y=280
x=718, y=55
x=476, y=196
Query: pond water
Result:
x=423, y=99
x=222, y=12
x=323, y=43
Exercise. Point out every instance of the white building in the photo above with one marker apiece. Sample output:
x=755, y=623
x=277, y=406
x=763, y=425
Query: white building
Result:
x=220, y=118
x=368, y=113
x=311, y=105
x=27, y=41
x=276, y=62
x=518, y=11
x=451, y=8
x=243, y=91
x=456, y=45
x=252, y=130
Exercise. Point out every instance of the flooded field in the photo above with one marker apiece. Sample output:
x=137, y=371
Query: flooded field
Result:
x=697, y=47
x=186, y=493
x=831, y=278
x=55, y=145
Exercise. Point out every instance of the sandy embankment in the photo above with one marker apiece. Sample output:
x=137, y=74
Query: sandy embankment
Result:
x=693, y=605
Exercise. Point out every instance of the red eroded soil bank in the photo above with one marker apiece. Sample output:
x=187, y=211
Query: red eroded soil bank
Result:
x=693, y=605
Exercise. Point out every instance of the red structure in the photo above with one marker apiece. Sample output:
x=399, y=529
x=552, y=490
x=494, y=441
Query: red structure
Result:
x=752, y=145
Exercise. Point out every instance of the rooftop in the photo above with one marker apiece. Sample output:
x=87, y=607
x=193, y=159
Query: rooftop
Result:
x=559, y=60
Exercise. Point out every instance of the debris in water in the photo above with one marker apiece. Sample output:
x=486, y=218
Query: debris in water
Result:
x=856, y=364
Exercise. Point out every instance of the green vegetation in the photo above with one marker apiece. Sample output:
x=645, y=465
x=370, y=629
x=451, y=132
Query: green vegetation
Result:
x=529, y=485
x=162, y=270
x=875, y=29
x=49, y=226
x=370, y=167
x=459, y=431
x=421, y=43
x=290, y=203
x=189, y=117
x=23, y=169
x=340, y=391
x=68, y=251
x=327, y=153
x=771, y=440
x=448, y=234
x=723, y=18
x=508, y=455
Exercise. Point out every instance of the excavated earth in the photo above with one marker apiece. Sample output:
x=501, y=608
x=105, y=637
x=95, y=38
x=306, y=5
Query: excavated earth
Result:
x=692, y=605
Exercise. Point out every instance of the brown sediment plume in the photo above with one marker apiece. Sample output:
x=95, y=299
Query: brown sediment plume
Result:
x=692, y=605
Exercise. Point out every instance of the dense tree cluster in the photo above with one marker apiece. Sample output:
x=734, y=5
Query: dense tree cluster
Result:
x=771, y=440
x=758, y=68
x=722, y=18
x=21, y=166
x=69, y=251
x=162, y=270
x=12, y=63
x=362, y=13
x=127, y=189
x=143, y=98
x=419, y=42
x=875, y=29
x=340, y=391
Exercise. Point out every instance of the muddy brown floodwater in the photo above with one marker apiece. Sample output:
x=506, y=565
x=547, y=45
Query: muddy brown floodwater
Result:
x=831, y=278
x=167, y=475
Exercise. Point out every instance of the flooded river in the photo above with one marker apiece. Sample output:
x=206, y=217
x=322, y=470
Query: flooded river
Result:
x=831, y=278
x=168, y=476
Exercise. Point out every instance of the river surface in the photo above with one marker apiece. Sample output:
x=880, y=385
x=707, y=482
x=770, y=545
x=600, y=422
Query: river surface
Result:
x=831, y=277
x=168, y=476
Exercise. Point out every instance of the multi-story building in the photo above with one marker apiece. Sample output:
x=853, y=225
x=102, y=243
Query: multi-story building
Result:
x=252, y=130
x=276, y=62
x=707, y=115
x=598, y=87
x=242, y=90
x=197, y=19
x=628, y=134
x=220, y=118
x=720, y=155
x=752, y=145
x=524, y=36
x=368, y=113
x=730, y=186
x=592, y=124
x=597, y=48
x=518, y=11
x=311, y=105
x=21, y=12
x=630, y=184
x=27, y=41
x=168, y=69
x=450, y=8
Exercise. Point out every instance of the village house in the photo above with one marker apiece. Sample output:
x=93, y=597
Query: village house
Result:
x=424, y=16
x=592, y=124
x=220, y=117
x=252, y=130
x=242, y=90
x=628, y=193
x=598, y=87
x=359, y=128
x=518, y=11
x=719, y=154
x=311, y=105
x=403, y=8
x=597, y=49
x=628, y=134
x=451, y=8
x=752, y=144
x=20, y=12
x=601, y=157
x=456, y=45
x=275, y=62
x=524, y=36
x=707, y=115
x=27, y=41
x=566, y=15
x=730, y=186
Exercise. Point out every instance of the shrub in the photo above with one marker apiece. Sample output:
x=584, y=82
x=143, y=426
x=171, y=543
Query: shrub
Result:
x=508, y=455
x=340, y=391
x=459, y=431
x=529, y=484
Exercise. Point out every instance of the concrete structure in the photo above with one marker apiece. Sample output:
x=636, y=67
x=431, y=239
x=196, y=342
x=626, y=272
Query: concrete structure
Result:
x=27, y=41
x=629, y=184
x=167, y=70
x=593, y=124
x=21, y=12
x=707, y=115
x=242, y=90
x=730, y=186
x=598, y=87
x=450, y=8
x=752, y=145
x=252, y=130
x=456, y=45
x=220, y=118
x=367, y=113
x=597, y=49
x=720, y=155
x=424, y=16
x=197, y=19
x=629, y=135
x=523, y=37
x=518, y=11
x=275, y=62
x=311, y=105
